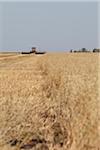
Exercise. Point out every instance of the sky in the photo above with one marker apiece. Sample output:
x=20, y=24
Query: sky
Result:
x=50, y=26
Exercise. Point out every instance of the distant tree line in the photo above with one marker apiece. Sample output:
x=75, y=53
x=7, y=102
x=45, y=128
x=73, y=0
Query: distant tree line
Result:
x=95, y=50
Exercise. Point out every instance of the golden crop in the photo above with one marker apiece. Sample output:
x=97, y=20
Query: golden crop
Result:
x=52, y=99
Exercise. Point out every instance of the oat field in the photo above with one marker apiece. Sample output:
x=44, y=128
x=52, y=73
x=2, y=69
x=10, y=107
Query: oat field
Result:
x=49, y=102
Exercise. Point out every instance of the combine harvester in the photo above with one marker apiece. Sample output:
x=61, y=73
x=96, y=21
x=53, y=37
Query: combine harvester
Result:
x=33, y=51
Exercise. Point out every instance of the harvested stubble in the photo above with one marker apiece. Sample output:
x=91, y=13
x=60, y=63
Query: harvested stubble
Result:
x=49, y=102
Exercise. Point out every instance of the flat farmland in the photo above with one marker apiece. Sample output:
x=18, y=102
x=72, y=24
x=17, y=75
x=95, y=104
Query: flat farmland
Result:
x=50, y=101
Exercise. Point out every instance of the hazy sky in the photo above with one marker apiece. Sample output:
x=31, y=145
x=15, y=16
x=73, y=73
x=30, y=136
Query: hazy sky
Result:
x=48, y=25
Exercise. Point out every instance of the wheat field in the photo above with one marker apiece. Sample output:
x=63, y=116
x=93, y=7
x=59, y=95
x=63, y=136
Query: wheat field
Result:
x=49, y=102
